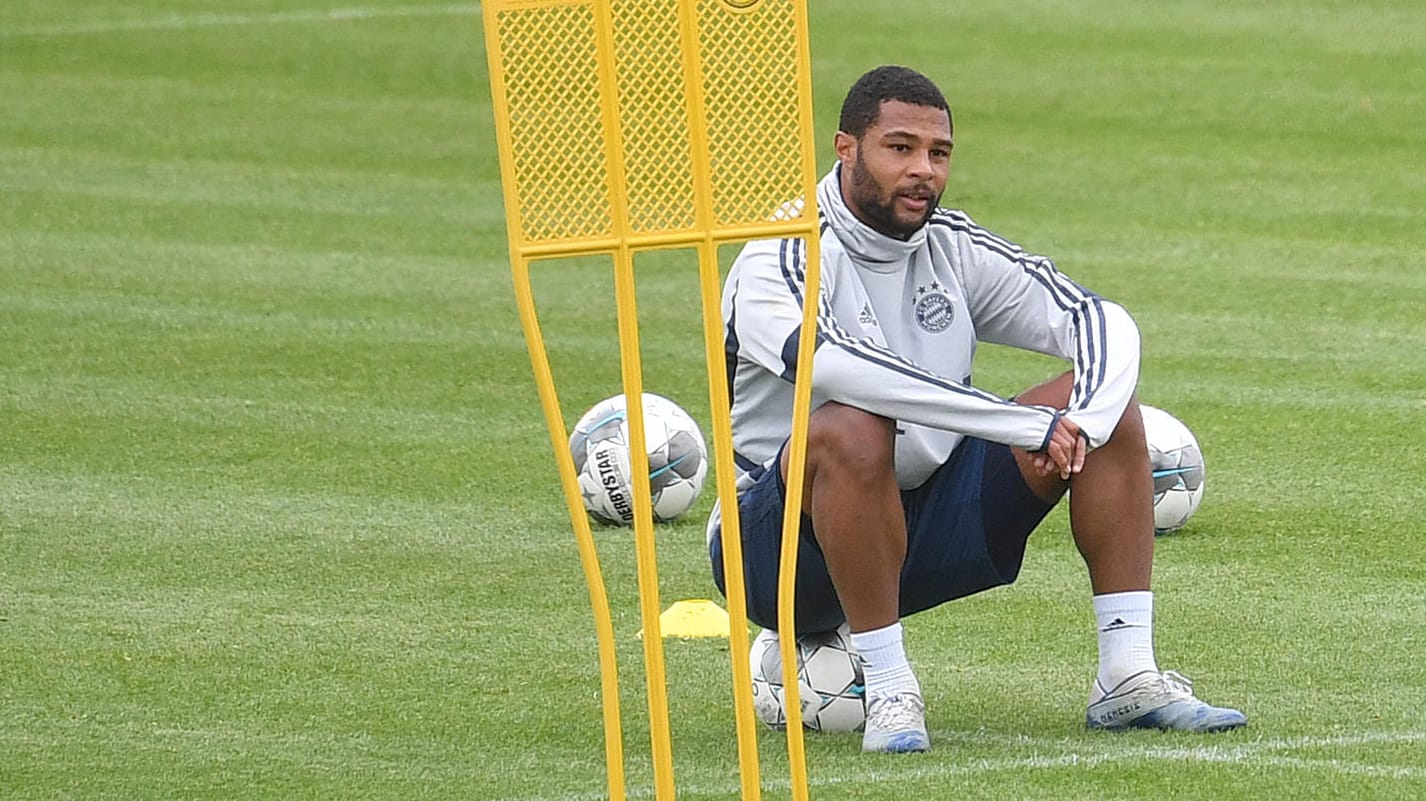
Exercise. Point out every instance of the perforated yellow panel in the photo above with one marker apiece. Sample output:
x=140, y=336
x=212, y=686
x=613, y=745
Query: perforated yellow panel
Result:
x=750, y=83
x=610, y=127
x=653, y=110
x=554, y=122
x=627, y=125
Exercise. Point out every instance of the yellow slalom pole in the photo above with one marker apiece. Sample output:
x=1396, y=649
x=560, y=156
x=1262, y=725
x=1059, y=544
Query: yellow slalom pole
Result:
x=584, y=538
x=646, y=560
x=797, y=456
x=792, y=526
x=655, y=678
x=710, y=293
x=554, y=420
x=743, y=716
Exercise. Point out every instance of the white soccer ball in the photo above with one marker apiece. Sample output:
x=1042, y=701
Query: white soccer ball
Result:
x=829, y=681
x=1177, y=462
x=678, y=459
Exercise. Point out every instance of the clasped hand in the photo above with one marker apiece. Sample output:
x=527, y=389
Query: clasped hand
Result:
x=1064, y=453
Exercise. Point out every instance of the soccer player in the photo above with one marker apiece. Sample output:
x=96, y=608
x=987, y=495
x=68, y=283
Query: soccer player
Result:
x=921, y=488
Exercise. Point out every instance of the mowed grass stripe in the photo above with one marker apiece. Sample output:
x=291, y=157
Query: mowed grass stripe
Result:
x=137, y=313
x=186, y=95
x=164, y=218
x=1237, y=392
x=220, y=184
x=241, y=528
x=417, y=114
x=1301, y=29
x=1073, y=766
x=140, y=400
x=454, y=291
x=184, y=22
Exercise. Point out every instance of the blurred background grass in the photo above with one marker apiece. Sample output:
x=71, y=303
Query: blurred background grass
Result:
x=278, y=516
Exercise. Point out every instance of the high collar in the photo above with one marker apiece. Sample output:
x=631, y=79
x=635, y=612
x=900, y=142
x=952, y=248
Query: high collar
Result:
x=862, y=242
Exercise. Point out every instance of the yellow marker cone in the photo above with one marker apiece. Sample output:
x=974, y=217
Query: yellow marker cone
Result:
x=693, y=618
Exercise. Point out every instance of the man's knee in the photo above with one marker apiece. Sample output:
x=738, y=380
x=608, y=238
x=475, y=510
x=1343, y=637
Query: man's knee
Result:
x=848, y=435
x=843, y=437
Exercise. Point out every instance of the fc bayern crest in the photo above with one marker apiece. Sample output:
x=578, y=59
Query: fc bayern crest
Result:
x=934, y=310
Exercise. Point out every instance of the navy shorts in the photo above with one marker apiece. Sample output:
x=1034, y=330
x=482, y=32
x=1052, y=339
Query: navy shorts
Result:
x=966, y=529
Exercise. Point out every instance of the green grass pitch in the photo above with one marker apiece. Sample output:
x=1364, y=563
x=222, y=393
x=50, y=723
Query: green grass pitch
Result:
x=278, y=513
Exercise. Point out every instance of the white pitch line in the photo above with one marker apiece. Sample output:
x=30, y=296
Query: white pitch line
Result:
x=179, y=22
x=1254, y=752
x=1341, y=766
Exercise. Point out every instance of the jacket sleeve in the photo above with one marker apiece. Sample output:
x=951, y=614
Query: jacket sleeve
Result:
x=765, y=308
x=1022, y=300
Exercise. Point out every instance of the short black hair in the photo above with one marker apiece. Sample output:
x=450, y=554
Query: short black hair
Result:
x=890, y=82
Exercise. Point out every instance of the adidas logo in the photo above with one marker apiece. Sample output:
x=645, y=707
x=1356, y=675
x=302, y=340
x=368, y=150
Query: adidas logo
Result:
x=1116, y=624
x=866, y=317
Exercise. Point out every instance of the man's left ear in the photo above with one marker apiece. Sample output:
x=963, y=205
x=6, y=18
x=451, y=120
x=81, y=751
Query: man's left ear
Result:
x=846, y=147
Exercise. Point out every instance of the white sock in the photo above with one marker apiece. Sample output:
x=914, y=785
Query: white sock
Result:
x=1126, y=635
x=884, y=665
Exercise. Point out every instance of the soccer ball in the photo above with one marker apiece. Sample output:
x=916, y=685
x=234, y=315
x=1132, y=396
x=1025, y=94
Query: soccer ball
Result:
x=678, y=459
x=829, y=681
x=1177, y=462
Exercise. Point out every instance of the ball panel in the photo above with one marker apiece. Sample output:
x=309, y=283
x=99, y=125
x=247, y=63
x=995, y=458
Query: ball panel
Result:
x=678, y=459
x=832, y=667
x=840, y=713
x=830, y=681
x=1178, y=469
x=767, y=704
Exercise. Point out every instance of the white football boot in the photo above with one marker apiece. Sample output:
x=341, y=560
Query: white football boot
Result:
x=1155, y=699
x=896, y=724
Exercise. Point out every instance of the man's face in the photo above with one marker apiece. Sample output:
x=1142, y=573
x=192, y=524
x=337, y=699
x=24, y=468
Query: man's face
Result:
x=893, y=177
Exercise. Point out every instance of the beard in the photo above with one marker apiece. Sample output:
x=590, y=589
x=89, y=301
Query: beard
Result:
x=876, y=206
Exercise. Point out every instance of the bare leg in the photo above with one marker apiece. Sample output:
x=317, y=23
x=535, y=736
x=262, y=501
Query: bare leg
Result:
x=1111, y=509
x=850, y=492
